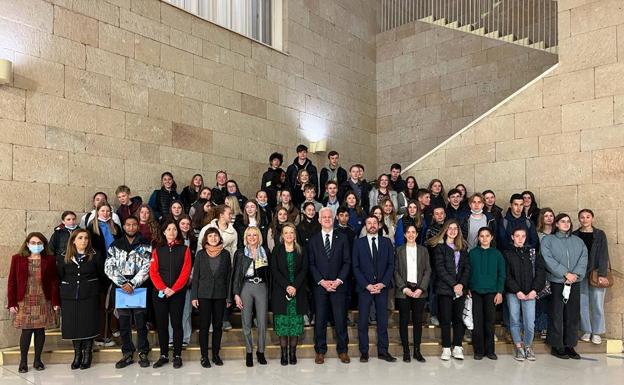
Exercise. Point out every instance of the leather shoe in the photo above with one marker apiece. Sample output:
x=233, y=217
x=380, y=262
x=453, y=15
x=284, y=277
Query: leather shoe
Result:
x=559, y=353
x=364, y=357
x=344, y=358
x=320, y=358
x=572, y=353
x=386, y=357
x=418, y=356
x=492, y=356
x=407, y=356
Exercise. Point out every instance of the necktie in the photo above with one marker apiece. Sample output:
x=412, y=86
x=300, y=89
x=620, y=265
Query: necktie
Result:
x=327, y=245
x=375, y=255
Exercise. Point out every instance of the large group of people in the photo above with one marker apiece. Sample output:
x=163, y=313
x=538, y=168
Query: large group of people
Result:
x=309, y=248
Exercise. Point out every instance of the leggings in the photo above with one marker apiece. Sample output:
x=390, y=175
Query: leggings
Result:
x=25, y=343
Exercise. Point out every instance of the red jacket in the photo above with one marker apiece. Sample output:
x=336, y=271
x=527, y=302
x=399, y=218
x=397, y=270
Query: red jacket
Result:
x=183, y=278
x=18, y=278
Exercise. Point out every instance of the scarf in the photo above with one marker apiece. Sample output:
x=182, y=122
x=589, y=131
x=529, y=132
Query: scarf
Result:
x=261, y=259
x=214, y=251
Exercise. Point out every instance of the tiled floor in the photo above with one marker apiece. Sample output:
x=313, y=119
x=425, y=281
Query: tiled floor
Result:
x=596, y=369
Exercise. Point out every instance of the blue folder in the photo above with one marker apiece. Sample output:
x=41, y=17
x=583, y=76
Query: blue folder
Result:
x=136, y=300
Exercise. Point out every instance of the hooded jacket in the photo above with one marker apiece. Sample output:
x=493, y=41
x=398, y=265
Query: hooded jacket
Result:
x=293, y=170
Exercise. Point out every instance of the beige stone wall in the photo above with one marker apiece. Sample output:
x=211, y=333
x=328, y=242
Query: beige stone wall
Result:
x=432, y=81
x=562, y=137
x=115, y=92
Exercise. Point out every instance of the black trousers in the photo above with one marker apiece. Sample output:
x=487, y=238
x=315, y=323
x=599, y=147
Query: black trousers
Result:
x=414, y=307
x=564, y=318
x=25, y=343
x=450, y=311
x=324, y=302
x=210, y=311
x=166, y=309
x=483, y=316
x=125, y=330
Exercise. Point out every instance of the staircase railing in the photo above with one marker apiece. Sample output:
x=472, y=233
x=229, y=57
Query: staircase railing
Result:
x=530, y=23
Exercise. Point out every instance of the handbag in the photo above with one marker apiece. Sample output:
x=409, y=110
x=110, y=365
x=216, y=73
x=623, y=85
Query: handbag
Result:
x=595, y=282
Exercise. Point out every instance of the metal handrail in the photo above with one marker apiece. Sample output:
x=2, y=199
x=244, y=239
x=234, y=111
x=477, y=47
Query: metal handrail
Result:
x=530, y=23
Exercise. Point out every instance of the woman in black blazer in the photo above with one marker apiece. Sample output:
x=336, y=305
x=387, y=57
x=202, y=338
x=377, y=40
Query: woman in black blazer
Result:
x=210, y=292
x=289, y=293
x=452, y=274
x=411, y=281
x=80, y=273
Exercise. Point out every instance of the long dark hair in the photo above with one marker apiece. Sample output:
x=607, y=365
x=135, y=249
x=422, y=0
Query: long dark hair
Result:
x=533, y=208
x=174, y=185
x=411, y=195
x=163, y=240
x=24, y=251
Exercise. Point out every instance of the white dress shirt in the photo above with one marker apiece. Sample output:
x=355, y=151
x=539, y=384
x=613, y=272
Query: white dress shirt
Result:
x=412, y=264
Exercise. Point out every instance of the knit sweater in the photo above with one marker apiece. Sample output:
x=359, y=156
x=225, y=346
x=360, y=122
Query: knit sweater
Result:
x=487, y=270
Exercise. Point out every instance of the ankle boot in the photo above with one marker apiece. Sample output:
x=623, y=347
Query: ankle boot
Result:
x=406, y=354
x=293, y=355
x=87, y=354
x=284, y=356
x=77, y=354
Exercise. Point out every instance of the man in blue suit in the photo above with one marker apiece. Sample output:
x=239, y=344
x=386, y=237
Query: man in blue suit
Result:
x=373, y=268
x=330, y=262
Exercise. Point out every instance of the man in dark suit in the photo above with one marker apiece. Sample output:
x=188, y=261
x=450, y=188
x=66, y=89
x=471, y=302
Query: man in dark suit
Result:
x=373, y=268
x=330, y=262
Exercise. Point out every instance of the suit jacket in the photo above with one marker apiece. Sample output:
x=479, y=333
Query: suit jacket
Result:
x=280, y=280
x=423, y=268
x=337, y=266
x=364, y=271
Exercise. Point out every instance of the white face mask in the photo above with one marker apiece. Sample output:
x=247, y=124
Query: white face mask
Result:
x=566, y=293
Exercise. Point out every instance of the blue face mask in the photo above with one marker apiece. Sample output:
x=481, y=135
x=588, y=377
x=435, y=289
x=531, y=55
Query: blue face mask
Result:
x=263, y=204
x=72, y=227
x=35, y=249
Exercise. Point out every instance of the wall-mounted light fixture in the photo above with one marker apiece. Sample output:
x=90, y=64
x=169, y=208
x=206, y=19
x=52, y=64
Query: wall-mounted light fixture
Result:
x=5, y=71
x=319, y=146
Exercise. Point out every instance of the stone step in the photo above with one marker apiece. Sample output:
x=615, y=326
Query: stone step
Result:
x=235, y=336
x=62, y=355
x=508, y=38
x=441, y=21
x=493, y=34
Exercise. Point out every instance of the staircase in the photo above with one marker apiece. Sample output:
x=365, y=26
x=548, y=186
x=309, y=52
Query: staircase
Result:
x=59, y=351
x=530, y=23
x=483, y=31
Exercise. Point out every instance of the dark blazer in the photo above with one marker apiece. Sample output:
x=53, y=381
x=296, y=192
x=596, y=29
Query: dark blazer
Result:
x=446, y=277
x=279, y=279
x=598, y=256
x=18, y=280
x=337, y=266
x=364, y=271
x=207, y=283
x=400, y=270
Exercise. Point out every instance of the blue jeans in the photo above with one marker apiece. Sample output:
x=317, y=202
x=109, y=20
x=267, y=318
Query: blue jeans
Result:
x=521, y=311
x=592, y=308
x=186, y=320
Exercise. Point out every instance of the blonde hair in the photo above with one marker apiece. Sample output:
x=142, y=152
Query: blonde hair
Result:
x=232, y=203
x=253, y=229
x=291, y=226
x=95, y=227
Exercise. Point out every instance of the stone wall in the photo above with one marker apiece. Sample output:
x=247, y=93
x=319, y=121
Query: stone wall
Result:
x=432, y=81
x=562, y=138
x=116, y=92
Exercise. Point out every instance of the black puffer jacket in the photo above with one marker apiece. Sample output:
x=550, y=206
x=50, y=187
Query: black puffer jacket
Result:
x=447, y=276
x=526, y=270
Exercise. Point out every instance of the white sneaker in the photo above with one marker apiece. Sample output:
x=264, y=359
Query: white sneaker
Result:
x=458, y=353
x=596, y=339
x=446, y=354
x=585, y=337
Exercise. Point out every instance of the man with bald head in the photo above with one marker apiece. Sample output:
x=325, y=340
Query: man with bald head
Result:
x=330, y=263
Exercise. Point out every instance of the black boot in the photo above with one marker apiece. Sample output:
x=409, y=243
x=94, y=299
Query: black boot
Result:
x=284, y=356
x=261, y=358
x=23, y=366
x=407, y=357
x=87, y=354
x=418, y=356
x=77, y=354
x=249, y=360
x=293, y=355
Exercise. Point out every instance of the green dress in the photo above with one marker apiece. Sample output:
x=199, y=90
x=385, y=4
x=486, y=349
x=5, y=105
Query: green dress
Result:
x=291, y=323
